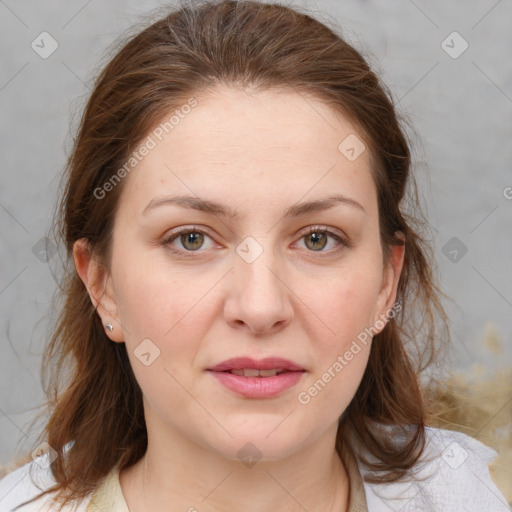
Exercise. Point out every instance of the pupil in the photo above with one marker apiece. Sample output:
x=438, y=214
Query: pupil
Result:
x=318, y=237
x=192, y=238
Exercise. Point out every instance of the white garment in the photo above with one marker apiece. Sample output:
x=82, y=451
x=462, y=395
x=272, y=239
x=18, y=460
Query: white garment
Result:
x=452, y=476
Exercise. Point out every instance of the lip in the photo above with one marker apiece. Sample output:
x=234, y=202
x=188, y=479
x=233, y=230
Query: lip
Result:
x=269, y=363
x=258, y=387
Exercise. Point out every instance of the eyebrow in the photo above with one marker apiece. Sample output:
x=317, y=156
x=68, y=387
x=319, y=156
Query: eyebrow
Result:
x=195, y=203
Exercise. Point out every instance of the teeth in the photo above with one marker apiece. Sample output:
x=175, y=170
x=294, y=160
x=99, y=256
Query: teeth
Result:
x=253, y=372
x=268, y=373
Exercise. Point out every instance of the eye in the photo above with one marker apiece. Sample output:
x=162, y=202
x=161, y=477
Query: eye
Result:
x=191, y=240
x=317, y=238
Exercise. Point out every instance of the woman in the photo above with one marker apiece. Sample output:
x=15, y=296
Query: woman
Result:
x=248, y=295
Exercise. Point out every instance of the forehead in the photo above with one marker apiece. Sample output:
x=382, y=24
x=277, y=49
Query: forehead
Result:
x=254, y=147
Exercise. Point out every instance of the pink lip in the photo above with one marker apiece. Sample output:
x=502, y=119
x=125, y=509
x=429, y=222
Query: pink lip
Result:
x=258, y=387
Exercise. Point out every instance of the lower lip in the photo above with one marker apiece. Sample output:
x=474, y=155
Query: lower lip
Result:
x=258, y=387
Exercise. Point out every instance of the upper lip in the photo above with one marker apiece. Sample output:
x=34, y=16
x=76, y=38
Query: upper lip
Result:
x=269, y=363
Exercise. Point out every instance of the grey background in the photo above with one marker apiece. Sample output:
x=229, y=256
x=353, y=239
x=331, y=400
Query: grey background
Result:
x=460, y=108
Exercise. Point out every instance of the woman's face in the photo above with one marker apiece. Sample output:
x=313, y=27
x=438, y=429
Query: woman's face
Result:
x=191, y=287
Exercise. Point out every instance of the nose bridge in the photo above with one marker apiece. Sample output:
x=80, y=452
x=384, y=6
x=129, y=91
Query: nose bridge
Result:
x=260, y=297
x=258, y=268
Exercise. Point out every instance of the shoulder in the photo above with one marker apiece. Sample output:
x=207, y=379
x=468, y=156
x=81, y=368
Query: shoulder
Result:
x=452, y=475
x=29, y=481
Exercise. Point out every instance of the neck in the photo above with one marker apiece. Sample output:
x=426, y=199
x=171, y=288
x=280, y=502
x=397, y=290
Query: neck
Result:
x=177, y=474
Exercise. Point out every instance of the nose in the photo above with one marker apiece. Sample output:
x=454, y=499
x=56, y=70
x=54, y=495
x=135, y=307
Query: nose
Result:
x=259, y=299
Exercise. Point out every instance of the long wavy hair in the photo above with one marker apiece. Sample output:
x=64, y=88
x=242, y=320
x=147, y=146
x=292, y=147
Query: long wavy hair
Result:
x=93, y=398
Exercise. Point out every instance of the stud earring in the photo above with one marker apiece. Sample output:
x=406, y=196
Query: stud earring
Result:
x=110, y=327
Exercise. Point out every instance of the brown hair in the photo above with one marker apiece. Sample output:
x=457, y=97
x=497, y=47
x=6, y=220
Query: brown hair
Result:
x=92, y=393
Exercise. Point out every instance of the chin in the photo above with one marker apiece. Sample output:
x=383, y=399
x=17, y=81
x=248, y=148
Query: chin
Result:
x=252, y=445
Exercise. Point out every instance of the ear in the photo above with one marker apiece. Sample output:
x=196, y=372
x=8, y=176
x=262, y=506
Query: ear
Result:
x=391, y=277
x=99, y=285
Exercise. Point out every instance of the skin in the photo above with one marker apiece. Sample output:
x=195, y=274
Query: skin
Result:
x=258, y=153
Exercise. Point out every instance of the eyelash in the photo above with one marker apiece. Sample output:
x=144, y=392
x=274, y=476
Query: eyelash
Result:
x=343, y=243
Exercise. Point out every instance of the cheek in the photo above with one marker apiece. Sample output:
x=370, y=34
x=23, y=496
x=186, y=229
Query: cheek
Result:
x=169, y=310
x=344, y=306
x=154, y=301
x=342, y=346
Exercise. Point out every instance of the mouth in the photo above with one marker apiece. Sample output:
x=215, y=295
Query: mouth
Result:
x=250, y=367
x=254, y=372
x=251, y=378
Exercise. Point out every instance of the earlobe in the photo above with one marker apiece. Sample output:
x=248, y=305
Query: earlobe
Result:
x=99, y=287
